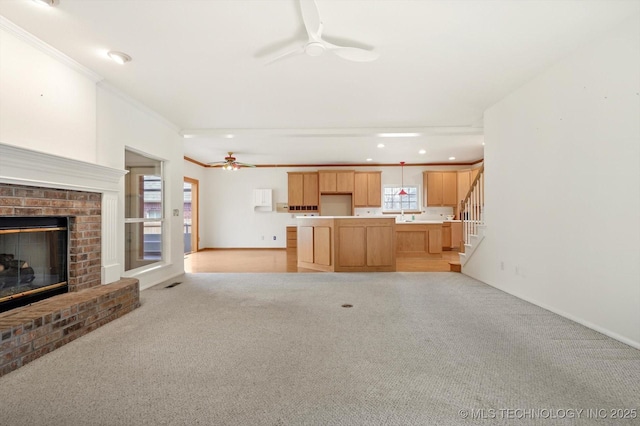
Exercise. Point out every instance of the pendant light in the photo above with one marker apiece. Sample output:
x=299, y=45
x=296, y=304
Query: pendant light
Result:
x=402, y=191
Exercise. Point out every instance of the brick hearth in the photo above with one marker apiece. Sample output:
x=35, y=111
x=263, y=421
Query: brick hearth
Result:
x=31, y=331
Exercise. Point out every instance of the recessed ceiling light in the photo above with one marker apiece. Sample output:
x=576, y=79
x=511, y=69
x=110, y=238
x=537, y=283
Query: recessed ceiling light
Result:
x=369, y=159
x=50, y=3
x=422, y=151
x=229, y=136
x=398, y=135
x=482, y=143
x=452, y=158
x=380, y=145
x=119, y=57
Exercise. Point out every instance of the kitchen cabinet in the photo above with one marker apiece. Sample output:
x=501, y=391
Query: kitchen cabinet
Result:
x=446, y=236
x=336, y=181
x=451, y=235
x=367, y=189
x=419, y=240
x=303, y=191
x=464, y=181
x=441, y=188
x=339, y=244
x=456, y=235
x=292, y=236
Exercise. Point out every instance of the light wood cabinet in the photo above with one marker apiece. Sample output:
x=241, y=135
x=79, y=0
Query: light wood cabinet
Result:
x=451, y=235
x=303, y=191
x=292, y=236
x=464, y=181
x=456, y=235
x=368, y=189
x=441, y=188
x=336, y=181
x=446, y=236
x=347, y=244
x=419, y=240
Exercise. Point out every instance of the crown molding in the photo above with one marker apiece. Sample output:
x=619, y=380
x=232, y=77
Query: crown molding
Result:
x=342, y=165
x=32, y=40
x=138, y=105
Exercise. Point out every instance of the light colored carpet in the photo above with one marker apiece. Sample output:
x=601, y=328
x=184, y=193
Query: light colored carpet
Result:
x=278, y=349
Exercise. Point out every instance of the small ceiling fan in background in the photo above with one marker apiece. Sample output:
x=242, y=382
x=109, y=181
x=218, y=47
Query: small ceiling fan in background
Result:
x=230, y=163
x=316, y=45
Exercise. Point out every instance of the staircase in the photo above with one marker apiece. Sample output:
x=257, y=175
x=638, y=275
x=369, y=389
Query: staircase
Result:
x=472, y=216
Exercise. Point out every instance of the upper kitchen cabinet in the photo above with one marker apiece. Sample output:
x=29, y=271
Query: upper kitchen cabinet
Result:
x=368, y=189
x=336, y=181
x=441, y=188
x=465, y=179
x=303, y=191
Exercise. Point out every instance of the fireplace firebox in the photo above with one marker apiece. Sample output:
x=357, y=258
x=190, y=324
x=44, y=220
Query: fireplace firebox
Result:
x=34, y=259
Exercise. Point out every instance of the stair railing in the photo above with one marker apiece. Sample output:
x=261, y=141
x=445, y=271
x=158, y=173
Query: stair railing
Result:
x=472, y=208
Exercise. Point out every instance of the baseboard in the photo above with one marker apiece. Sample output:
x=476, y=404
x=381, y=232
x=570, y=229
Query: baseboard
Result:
x=573, y=318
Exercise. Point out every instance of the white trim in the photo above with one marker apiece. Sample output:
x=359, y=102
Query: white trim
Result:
x=19, y=166
x=571, y=317
x=29, y=38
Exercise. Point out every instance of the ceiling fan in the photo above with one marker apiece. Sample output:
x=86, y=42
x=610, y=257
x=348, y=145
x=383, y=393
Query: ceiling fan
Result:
x=230, y=163
x=316, y=46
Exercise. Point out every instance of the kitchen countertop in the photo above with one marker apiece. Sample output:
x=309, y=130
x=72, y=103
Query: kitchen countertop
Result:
x=344, y=217
x=398, y=220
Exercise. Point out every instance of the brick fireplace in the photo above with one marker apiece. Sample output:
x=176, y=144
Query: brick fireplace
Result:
x=35, y=184
x=84, y=212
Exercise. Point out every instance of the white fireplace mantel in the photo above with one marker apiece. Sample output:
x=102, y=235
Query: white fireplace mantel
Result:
x=25, y=167
x=21, y=166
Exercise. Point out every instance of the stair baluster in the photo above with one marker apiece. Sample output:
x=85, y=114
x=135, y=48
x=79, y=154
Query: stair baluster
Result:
x=472, y=210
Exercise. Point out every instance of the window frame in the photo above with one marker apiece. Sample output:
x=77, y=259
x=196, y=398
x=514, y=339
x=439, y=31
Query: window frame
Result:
x=136, y=178
x=395, y=189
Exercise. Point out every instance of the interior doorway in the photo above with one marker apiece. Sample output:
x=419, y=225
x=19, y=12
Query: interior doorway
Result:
x=190, y=209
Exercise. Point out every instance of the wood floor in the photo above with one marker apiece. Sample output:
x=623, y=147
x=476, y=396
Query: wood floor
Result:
x=284, y=260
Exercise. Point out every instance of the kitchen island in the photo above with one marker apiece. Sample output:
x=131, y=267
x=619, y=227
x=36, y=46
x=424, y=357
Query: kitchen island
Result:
x=347, y=243
x=421, y=238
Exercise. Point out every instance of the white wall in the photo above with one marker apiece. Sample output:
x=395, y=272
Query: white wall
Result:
x=562, y=161
x=51, y=104
x=227, y=216
x=123, y=124
x=45, y=105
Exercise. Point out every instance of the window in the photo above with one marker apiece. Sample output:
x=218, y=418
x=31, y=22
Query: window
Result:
x=392, y=202
x=144, y=218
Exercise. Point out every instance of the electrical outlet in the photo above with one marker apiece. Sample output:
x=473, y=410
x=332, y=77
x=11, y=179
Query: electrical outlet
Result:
x=501, y=266
x=274, y=238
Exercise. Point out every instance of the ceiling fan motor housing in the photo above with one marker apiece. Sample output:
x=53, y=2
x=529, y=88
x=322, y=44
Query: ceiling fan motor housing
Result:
x=314, y=48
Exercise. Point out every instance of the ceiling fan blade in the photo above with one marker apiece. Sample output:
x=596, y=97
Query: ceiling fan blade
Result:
x=311, y=18
x=353, y=53
x=245, y=164
x=295, y=51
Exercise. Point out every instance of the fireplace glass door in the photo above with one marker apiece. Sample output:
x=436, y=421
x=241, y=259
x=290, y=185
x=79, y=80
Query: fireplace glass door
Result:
x=33, y=259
